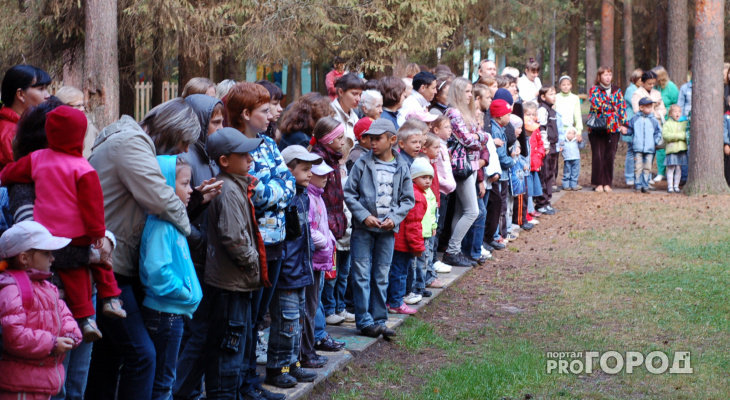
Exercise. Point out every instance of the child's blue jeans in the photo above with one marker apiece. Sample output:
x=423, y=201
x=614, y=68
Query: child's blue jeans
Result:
x=399, y=271
x=286, y=310
x=166, y=332
x=372, y=254
x=571, y=170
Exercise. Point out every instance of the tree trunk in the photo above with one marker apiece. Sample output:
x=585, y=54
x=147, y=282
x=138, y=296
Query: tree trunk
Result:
x=591, y=67
x=158, y=61
x=678, y=41
x=295, y=86
x=552, y=53
x=661, y=18
x=127, y=67
x=607, y=30
x=618, y=54
x=101, y=71
x=629, y=62
x=73, y=68
x=574, y=45
x=705, y=155
x=188, y=64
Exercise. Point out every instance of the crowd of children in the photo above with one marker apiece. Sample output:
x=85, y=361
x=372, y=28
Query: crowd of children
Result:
x=234, y=223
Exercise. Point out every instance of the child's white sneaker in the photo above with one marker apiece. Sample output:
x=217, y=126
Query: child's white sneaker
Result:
x=441, y=268
x=658, y=178
x=412, y=298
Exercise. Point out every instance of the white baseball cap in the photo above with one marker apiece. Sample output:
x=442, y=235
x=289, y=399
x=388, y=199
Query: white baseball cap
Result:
x=321, y=169
x=29, y=235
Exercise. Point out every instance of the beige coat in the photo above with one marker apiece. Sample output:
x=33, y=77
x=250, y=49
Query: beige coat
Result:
x=660, y=111
x=124, y=157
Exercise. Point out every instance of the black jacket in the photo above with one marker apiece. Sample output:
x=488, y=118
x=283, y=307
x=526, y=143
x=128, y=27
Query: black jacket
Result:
x=296, y=260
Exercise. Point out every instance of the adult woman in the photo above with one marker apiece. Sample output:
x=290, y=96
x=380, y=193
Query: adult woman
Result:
x=299, y=120
x=249, y=111
x=467, y=133
x=199, y=85
x=438, y=104
x=23, y=86
x=670, y=95
x=73, y=97
x=133, y=186
x=348, y=88
x=606, y=102
x=372, y=104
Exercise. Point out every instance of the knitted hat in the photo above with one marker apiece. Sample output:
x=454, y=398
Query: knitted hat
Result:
x=421, y=167
x=499, y=108
x=504, y=94
x=361, y=126
x=66, y=129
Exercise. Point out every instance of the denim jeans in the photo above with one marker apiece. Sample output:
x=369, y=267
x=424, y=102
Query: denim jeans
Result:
x=191, y=359
x=372, y=253
x=441, y=217
x=399, y=271
x=571, y=171
x=226, y=344
x=425, y=273
x=126, y=344
x=333, y=294
x=642, y=169
x=287, y=311
x=629, y=165
x=311, y=306
x=76, y=363
x=319, y=321
x=472, y=244
x=166, y=331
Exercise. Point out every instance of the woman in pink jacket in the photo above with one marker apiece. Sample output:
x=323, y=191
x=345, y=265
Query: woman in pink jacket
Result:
x=37, y=327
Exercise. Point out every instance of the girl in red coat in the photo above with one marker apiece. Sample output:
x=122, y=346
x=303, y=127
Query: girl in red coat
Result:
x=537, y=154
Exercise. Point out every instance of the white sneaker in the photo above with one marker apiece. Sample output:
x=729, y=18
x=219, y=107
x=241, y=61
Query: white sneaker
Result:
x=412, y=298
x=658, y=178
x=535, y=221
x=334, y=319
x=485, y=251
x=442, y=268
x=349, y=317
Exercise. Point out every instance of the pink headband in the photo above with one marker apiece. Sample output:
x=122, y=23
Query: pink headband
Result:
x=330, y=137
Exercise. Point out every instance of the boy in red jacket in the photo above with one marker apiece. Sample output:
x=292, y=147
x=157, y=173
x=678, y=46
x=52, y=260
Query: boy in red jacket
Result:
x=409, y=242
x=537, y=154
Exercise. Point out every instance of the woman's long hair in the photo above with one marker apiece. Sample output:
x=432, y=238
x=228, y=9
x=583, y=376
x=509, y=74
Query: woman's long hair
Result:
x=457, y=99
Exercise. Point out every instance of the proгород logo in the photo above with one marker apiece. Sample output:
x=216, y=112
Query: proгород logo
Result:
x=613, y=362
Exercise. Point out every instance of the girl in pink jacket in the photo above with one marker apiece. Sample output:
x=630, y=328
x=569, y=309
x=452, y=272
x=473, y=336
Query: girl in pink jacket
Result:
x=37, y=327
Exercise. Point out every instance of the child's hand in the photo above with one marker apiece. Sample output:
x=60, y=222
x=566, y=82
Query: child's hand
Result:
x=433, y=232
x=420, y=253
x=727, y=150
x=579, y=138
x=388, y=224
x=482, y=189
x=526, y=168
x=210, y=189
x=63, y=344
x=372, y=222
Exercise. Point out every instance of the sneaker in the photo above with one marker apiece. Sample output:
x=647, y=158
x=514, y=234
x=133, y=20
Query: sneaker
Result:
x=317, y=362
x=534, y=221
x=630, y=183
x=553, y=209
x=437, y=284
x=441, y=268
x=348, y=316
x=676, y=189
x=403, y=309
x=412, y=298
x=334, y=319
x=329, y=344
x=486, y=246
x=279, y=377
x=578, y=187
x=497, y=245
x=112, y=308
x=545, y=210
x=536, y=214
x=456, y=260
x=527, y=226
x=388, y=333
x=264, y=394
x=556, y=189
x=511, y=237
x=485, y=251
x=89, y=330
x=567, y=189
x=670, y=190
x=658, y=178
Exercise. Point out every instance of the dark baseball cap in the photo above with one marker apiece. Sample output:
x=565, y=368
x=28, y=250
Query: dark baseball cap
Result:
x=226, y=141
x=379, y=127
x=645, y=101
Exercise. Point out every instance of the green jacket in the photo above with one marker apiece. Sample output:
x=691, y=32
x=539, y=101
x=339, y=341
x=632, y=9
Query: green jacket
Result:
x=675, y=136
x=429, y=222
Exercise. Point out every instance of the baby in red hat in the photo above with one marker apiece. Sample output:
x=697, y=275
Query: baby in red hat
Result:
x=69, y=202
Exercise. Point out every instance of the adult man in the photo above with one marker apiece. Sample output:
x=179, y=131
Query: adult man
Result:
x=487, y=68
x=424, y=89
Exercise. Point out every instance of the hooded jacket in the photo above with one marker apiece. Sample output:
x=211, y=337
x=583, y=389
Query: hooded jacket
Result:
x=165, y=267
x=296, y=260
x=69, y=201
x=646, y=131
x=203, y=169
x=236, y=254
x=675, y=135
x=322, y=238
x=8, y=126
x=30, y=335
x=334, y=194
x=124, y=157
x=409, y=238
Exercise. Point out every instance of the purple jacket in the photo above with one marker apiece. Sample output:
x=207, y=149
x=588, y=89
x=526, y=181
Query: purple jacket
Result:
x=334, y=193
x=324, y=241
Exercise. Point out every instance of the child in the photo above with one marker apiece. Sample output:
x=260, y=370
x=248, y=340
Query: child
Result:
x=646, y=133
x=547, y=119
x=288, y=304
x=37, y=327
x=483, y=99
x=394, y=94
x=409, y=242
x=441, y=127
x=571, y=156
x=410, y=139
x=379, y=193
x=675, y=138
x=425, y=263
x=519, y=201
x=363, y=142
x=635, y=80
x=536, y=154
x=236, y=264
x=171, y=286
x=500, y=112
x=567, y=106
x=69, y=202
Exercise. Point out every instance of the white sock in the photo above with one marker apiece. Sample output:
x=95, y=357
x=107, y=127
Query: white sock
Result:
x=677, y=176
x=670, y=176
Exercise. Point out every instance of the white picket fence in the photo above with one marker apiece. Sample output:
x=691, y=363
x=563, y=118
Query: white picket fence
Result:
x=142, y=96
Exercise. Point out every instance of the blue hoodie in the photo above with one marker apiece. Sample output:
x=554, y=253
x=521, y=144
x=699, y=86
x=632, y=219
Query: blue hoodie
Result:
x=165, y=266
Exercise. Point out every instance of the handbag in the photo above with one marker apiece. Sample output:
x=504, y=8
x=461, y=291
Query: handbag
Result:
x=597, y=123
x=293, y=226
x=460, y=163
x=517, y=178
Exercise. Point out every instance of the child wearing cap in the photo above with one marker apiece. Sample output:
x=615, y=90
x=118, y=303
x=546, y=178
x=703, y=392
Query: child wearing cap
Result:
x=37, y=327
x=171, y=285
x=70, y=203
x=236, y=262
x=500, y=112
x=646, y=132
x=288, y=303
x=363, y=142
x=379, y=193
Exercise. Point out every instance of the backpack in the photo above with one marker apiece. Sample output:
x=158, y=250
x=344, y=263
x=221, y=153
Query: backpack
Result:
x=460, y=163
